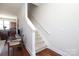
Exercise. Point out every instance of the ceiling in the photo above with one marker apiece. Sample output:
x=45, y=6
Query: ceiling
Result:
x=37, y=4
x=10, y=8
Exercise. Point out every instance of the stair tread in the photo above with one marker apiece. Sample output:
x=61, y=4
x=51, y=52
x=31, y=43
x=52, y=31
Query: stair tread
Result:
x=39, y=42
x=39, y=45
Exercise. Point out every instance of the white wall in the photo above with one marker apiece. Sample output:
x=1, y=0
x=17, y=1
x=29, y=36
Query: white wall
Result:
x=27, y=29
x=61, y=21
x=21, y=16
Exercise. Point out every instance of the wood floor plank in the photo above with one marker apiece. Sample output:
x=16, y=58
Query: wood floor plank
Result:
x=47, y=52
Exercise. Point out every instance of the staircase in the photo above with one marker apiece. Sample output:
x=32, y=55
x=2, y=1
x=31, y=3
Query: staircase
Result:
x=39, y=43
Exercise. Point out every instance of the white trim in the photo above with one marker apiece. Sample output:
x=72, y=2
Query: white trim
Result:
x=38, y=50
x=30, y=24
x=33, y=44
x=59, y=51
x=28, y=50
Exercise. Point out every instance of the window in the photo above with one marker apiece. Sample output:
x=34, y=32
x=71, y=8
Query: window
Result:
x=7, y=24
x=4, y=24
x=1, y=24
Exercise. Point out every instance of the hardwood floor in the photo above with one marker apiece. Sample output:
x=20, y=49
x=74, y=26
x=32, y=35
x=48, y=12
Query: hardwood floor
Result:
x=18, y=52
x=47, y=52
x=23, y=52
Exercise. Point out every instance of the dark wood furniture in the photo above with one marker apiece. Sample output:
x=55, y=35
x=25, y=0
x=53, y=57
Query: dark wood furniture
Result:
x=18, y=42
x=13, y=45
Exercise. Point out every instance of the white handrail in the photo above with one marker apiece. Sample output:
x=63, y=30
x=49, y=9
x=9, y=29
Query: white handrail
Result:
x=41, y=26
x=30, y=24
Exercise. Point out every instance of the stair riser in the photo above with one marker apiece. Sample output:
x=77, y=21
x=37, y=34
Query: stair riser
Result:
x=39, y=43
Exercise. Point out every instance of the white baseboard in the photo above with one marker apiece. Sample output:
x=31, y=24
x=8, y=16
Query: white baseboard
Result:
x=28, y=51
x=59, y=51
x=41, y=49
